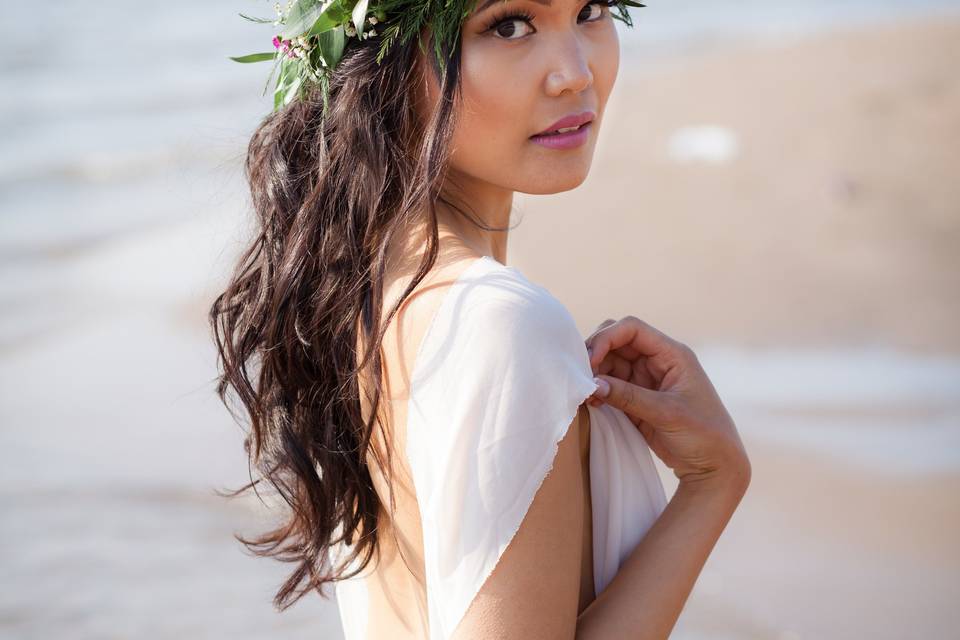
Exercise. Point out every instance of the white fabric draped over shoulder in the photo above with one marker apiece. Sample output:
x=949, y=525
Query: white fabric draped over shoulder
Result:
x=496, y=382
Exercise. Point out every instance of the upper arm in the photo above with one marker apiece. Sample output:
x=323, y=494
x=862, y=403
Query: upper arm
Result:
x=533, y=590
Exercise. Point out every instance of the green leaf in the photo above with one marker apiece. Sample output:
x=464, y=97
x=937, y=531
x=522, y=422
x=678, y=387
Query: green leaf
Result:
x=359, y=15
x=255, y=57
x=331, y=43
x=308, y=16
x=260, y=20
x=292, y=90
x=289, y=71
x=340, y=11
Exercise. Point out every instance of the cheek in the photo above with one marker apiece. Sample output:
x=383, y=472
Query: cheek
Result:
x=496, y=95
x=606, y=65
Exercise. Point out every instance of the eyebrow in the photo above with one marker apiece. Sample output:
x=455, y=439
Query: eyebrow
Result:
x=489, y=3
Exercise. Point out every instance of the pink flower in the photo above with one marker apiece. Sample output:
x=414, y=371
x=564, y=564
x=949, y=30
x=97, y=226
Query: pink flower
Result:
x=276, y=42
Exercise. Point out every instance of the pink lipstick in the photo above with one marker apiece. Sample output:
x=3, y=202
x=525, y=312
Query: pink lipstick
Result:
x=566, y=133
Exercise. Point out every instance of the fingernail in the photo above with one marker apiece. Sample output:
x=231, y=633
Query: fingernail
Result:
x=603, y=387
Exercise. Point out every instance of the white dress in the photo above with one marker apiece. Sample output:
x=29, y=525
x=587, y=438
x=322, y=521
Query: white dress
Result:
x=497, y=379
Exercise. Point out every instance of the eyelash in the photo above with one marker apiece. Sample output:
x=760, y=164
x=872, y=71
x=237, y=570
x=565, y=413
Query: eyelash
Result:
x=497, y=20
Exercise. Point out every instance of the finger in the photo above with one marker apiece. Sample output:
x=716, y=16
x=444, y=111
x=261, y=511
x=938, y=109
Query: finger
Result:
x=589, y=338
x=629, y=332
x=625, y=351
x=617, y=366
x=636, y=369
x=600, y=326
x=642, y=375
x=635, y=401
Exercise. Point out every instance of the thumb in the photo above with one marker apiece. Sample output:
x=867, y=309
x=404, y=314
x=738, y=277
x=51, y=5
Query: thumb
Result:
x=637, y=402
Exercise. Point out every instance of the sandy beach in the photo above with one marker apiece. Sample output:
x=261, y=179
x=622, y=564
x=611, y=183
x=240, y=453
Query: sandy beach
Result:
x=789, y=209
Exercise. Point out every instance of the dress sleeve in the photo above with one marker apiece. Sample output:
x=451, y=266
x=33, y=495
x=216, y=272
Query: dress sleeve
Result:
x=492, y=394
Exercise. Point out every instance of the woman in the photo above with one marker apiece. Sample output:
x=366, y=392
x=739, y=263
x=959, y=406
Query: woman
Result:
x=491, y=492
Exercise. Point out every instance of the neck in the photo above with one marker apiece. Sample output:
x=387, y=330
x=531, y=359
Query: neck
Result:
x=461, y=235
x=482, y=219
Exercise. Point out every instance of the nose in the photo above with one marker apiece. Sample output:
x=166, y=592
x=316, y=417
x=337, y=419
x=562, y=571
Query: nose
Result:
x=569, y=68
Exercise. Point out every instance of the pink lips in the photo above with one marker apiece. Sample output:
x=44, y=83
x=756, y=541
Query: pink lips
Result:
x=569, y=139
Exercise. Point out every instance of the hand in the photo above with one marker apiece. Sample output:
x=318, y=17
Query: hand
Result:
x=659, y=384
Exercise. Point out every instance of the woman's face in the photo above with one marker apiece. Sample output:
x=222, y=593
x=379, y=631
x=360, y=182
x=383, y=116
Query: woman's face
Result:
x=525, y=65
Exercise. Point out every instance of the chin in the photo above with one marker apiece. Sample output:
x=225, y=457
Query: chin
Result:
x=556, y=182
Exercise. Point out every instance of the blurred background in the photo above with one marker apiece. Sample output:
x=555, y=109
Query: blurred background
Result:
x=777, y=183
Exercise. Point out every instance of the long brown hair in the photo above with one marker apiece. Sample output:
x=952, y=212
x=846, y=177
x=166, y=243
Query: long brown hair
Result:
x=329, y=195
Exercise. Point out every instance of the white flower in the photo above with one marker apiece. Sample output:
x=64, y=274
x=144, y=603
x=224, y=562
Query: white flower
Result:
x=372, y=19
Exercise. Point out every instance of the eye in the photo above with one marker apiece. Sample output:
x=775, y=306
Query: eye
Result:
x=601, y=6
x=505, y=26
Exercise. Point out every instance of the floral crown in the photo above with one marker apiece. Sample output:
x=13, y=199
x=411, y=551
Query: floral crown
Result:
x=314, y=33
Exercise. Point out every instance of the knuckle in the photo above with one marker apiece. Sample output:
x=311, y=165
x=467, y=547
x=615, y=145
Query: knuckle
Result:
x=686, y=350
x=645, y=326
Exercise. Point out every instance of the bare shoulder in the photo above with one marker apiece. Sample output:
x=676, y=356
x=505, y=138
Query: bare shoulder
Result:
x=422, y=303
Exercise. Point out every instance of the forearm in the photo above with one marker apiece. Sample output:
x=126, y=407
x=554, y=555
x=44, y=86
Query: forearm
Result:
x=646, y=596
